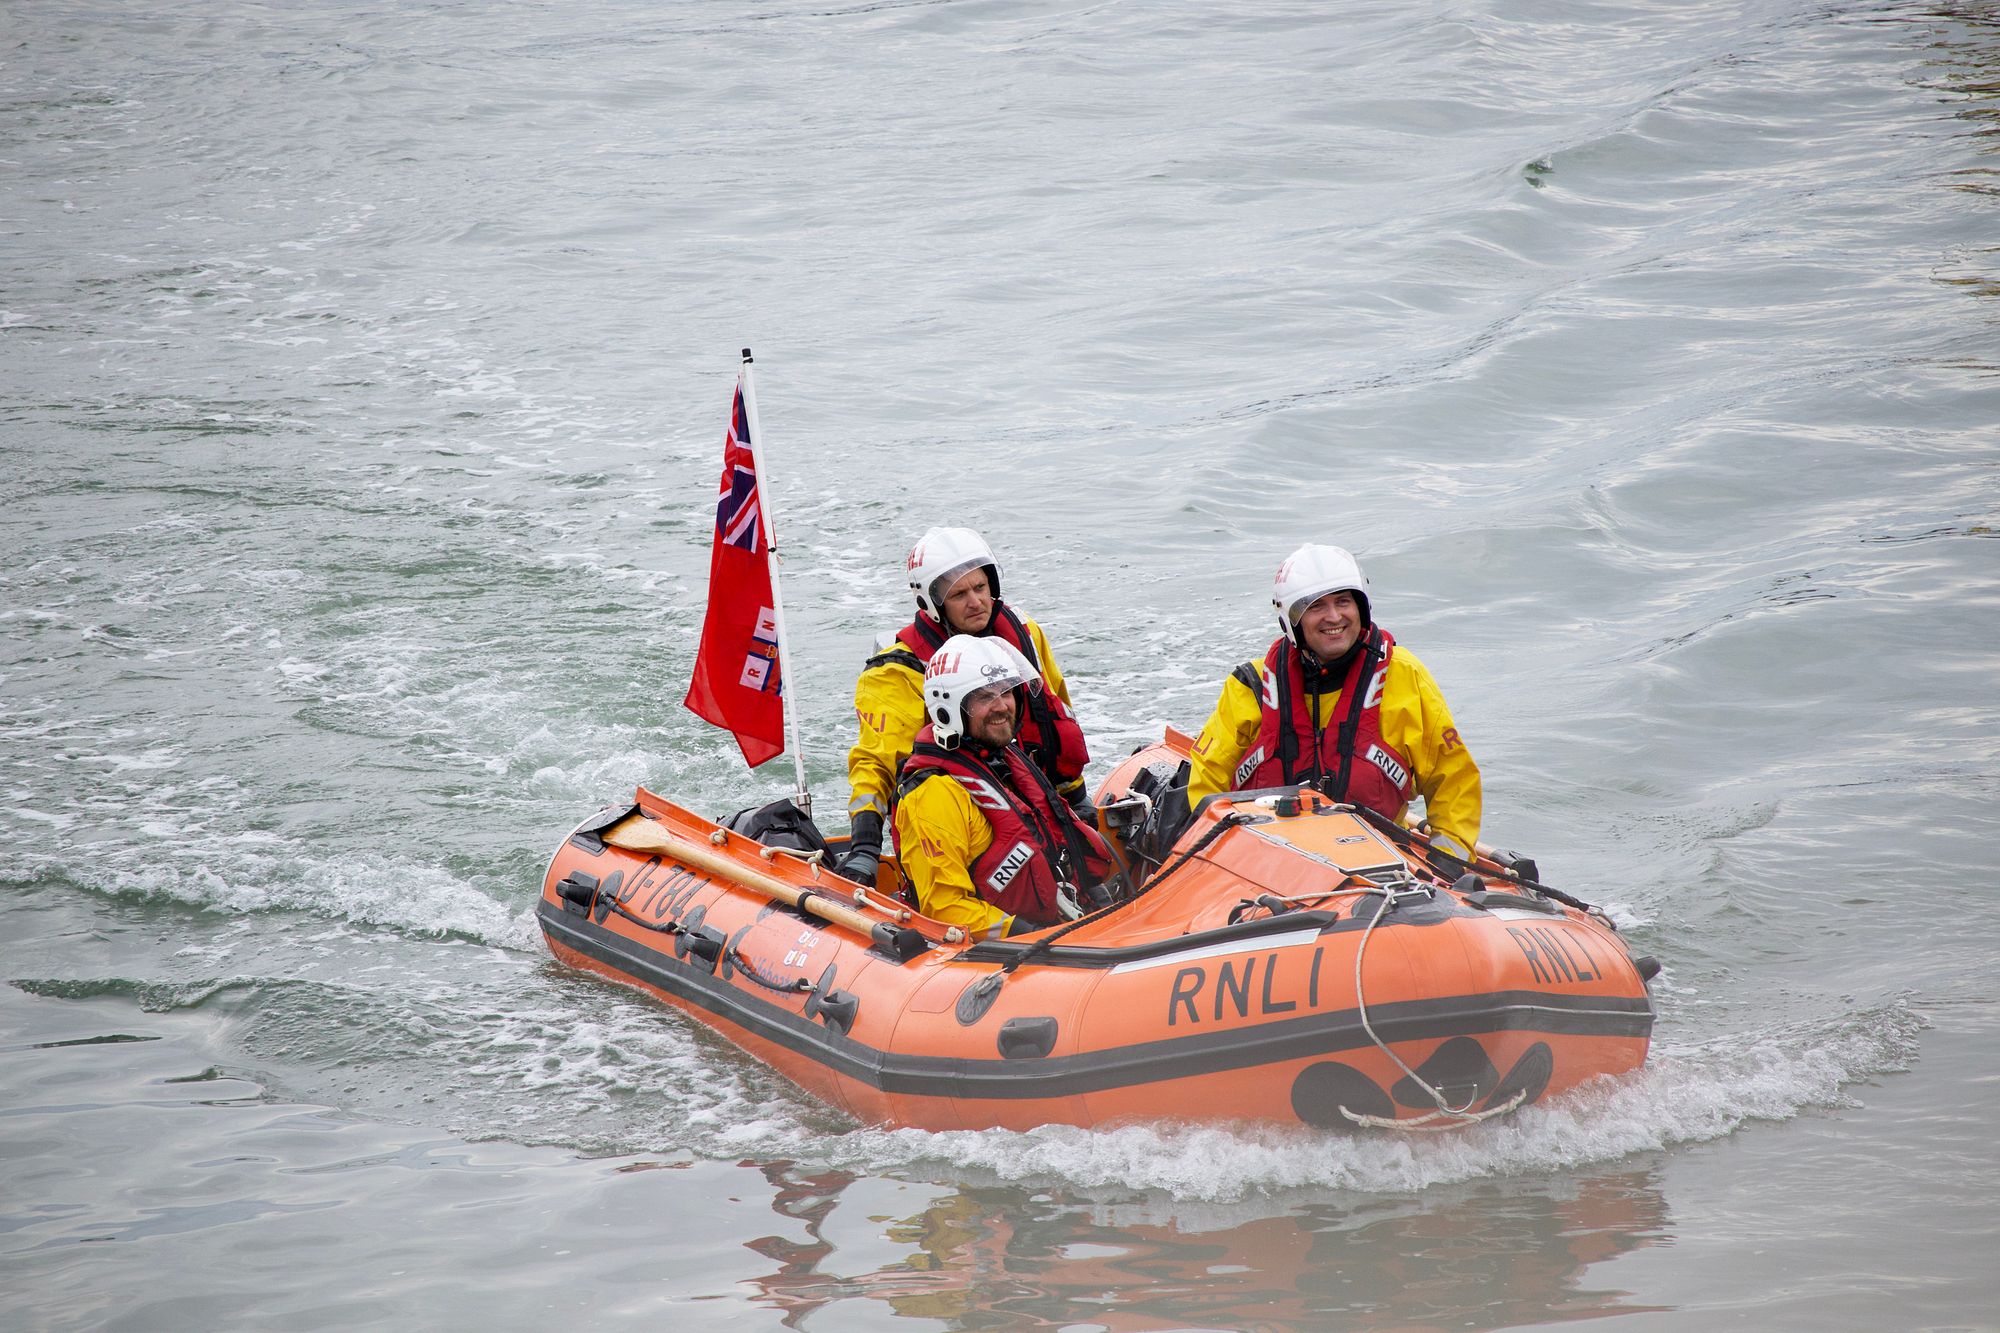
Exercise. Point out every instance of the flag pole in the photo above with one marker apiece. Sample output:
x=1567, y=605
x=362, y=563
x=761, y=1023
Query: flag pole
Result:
x=803, y=798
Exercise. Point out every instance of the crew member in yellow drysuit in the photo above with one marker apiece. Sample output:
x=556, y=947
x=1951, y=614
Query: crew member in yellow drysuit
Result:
x=956, y=582
x=983, y=837
x=1289, y=718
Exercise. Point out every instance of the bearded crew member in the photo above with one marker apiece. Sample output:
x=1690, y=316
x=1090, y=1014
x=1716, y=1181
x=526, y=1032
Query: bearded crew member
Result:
x=983, y=836
x=956, y=582
x=1336, y=702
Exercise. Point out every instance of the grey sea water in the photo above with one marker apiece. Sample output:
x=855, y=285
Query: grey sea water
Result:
x=363, y=371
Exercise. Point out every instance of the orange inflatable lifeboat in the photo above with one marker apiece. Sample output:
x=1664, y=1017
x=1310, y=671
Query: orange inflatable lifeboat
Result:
x=1285, y=958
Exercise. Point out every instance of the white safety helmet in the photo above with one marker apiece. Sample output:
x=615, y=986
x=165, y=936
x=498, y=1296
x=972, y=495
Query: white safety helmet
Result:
x=963, y=665
x=1310, y=573
x=941, y=558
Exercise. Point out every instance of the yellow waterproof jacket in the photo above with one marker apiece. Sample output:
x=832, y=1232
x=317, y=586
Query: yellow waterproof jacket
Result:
x=940, y=834
x=889, y=704
x=1414, y=720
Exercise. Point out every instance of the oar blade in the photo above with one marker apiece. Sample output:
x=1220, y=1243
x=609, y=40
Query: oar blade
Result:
x=636, y=833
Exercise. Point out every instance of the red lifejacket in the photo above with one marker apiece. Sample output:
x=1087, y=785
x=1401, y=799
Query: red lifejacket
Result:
x=1049, y=732
x=1039, y=845
x=1349, y=760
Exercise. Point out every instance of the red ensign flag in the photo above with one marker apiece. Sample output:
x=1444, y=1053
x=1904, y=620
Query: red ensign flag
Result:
x=736, y=682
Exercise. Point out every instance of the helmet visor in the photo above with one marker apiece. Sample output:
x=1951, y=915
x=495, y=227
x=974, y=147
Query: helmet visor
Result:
x=945, y=582
x=996, y=679
x=979, y=698
x=1305, y=601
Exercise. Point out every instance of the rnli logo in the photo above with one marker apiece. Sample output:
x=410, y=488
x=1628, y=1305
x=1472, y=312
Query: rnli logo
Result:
x=760, y=664
x=1010, y=866
x=944, y=664
x=1395, y=772
x=1248, y=766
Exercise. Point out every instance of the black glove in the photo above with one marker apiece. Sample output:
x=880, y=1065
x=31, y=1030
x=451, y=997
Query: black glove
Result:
x=864, y=849
x=1079, y=801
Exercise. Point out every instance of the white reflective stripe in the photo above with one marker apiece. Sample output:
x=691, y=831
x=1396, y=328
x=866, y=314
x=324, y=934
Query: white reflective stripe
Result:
x=1445, y=842
x=1258, y=945
x=982, y=792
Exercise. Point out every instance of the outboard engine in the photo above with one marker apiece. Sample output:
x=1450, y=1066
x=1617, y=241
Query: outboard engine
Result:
x=1159, y=822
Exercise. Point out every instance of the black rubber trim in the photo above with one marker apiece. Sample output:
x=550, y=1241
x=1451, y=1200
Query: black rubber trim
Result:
x=1027, y=1038
x=1488, y=899
x=899, y=944
x=587, y=834
x=578, y=892
x=1218, y=1051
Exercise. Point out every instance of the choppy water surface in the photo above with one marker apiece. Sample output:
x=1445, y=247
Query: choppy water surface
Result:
x=364, y=378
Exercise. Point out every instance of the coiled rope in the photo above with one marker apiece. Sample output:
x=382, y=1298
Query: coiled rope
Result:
x=1446, y=1116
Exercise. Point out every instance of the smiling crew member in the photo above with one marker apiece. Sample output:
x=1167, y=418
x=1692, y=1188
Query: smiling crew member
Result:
x=1292, y=718
x=995, y=849
x=956, y=581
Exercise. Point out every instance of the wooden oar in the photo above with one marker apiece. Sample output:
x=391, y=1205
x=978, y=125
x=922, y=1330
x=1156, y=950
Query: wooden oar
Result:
x=636, y=833
x=1485, y=851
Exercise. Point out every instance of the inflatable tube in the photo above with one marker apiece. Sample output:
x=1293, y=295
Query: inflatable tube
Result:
x=1287, y=959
